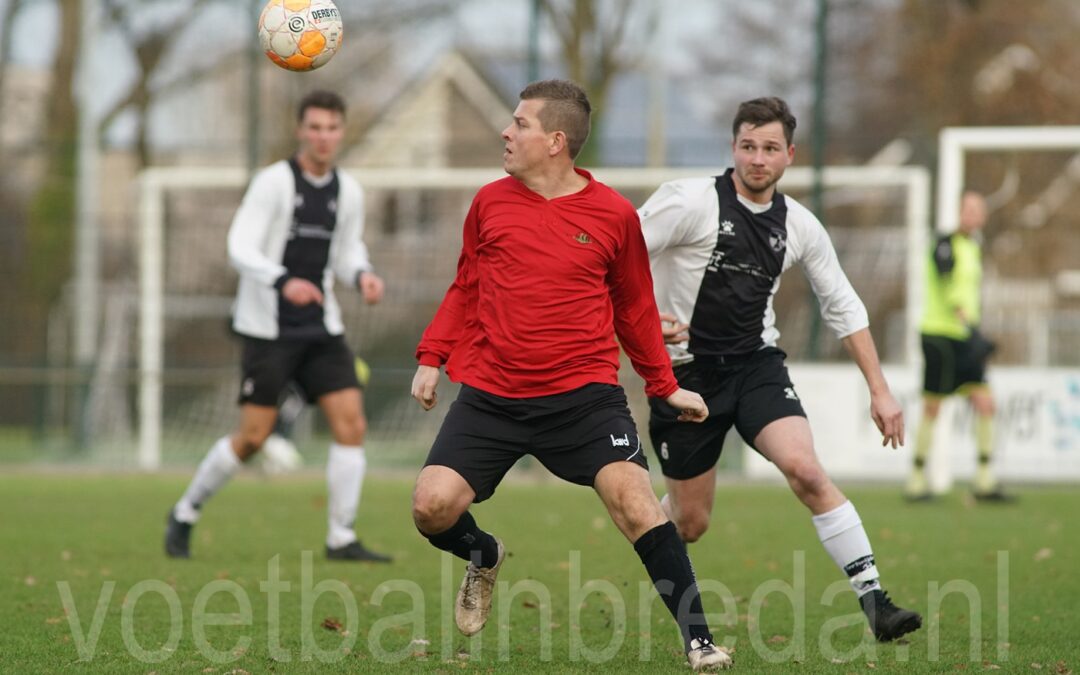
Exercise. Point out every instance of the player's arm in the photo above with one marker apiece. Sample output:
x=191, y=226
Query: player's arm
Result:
x=637, y=325
x=667, y=219
x=250, y=227
x=444, y=331
x=845, y=314
x=352, y=265
x=886, y=412
x=672, y=217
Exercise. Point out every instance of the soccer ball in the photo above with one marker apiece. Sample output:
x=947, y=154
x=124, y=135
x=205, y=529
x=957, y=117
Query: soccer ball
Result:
x=279, y=456
x=300, y=34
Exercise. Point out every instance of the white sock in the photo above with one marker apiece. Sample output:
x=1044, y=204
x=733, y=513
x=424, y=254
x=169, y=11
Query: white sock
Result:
x=842, y=534
x=214, y=471
x=345, y=466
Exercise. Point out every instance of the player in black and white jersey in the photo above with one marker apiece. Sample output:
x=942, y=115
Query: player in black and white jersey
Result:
x=299, y=226
x=717, y=247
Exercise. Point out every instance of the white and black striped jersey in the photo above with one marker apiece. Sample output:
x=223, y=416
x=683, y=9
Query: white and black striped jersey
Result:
x=717, y=258
x=291, y=224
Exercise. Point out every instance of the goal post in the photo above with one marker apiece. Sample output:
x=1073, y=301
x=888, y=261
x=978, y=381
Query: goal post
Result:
x=155, y=185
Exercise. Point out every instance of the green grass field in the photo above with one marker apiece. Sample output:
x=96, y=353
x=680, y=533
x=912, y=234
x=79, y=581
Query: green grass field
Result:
x=96, y=539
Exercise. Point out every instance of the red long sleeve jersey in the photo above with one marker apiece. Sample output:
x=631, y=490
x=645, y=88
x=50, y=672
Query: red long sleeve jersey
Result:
x=540, y=285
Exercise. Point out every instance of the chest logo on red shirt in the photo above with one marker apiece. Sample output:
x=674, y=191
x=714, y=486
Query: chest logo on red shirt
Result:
x=583, y=238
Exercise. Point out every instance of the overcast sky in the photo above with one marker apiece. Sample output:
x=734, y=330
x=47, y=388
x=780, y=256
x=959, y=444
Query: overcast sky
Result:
x=484, y=23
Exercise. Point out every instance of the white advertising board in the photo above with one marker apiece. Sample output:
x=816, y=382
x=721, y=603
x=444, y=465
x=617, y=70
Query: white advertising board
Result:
x=1037, y=431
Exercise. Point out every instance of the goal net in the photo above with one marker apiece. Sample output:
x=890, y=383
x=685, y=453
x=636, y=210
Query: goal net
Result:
x=188, y=359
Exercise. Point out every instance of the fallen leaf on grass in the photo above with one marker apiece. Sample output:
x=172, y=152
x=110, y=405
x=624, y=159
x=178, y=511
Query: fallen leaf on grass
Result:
x=330, y=623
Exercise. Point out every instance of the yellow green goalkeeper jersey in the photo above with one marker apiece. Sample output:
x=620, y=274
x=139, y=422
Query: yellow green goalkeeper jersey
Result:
x=955, y=290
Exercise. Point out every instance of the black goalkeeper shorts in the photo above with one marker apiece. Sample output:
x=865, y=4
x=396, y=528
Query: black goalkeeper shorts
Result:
x=573, y=434
x=951, y=365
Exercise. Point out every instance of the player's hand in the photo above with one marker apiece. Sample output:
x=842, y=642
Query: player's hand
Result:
x=674, y=332
x=889, y=418
x=691, y=405
x=301, y=292
x=372, y=287
x=423, y=386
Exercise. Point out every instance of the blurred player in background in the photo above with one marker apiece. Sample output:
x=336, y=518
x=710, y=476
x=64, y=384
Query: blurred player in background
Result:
x=552, y=268
x=300, y=224
x=718, y=246
x=954, y=350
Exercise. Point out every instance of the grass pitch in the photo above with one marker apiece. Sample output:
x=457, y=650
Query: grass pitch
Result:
x=87, y=588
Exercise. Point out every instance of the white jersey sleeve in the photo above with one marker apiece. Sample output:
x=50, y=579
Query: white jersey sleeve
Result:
x=810, y=246
x=250, y=229
x=679, y=213
x=679, y=222
x=351, y=255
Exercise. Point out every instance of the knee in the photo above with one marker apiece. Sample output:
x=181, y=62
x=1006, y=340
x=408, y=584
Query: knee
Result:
x=692, y=525
x=931, y=410
x=351, y=430
x=808, y=478
x=433, y=511
x=248, y=442
x=983, y=405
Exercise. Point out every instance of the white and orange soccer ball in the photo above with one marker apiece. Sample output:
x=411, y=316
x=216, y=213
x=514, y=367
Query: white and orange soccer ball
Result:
x=300, y=34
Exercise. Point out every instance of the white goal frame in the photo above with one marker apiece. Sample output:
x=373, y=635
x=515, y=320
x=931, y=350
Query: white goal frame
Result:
x=155, y=183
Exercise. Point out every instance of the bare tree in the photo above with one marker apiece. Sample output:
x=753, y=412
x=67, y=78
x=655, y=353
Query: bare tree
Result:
x=153, y=34
x=596, y=41
x=7, y=26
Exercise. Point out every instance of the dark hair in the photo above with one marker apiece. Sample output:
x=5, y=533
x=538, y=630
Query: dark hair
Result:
x=321, y=99
x=566, y=109
x=761, y=111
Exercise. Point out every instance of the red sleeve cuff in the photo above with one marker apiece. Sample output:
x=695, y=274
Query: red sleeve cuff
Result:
x=662, y=391
x=429, y=359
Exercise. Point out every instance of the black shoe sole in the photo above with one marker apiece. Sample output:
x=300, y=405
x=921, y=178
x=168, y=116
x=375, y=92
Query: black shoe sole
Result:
x=170, y=550
x=364, y=557
x=908, y=625
x=995, y=498
x=919, y=499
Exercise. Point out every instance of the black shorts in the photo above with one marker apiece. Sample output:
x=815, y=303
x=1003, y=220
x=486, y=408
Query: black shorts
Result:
x=748, y=393
x=574, y=435
x=318, y=366
x=950, y=364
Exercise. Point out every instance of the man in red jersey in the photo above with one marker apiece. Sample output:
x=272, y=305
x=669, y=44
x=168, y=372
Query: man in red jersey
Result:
x=553, y=266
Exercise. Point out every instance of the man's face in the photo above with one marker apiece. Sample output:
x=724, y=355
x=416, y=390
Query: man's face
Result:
x=320, y=134
x=527, y=145
x=761, y=156
x=973, y=213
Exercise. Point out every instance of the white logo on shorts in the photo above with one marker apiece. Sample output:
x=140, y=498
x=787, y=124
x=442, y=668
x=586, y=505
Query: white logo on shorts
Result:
x=663, y=450
x=620, y=442
x=789, y=392
x=248, y=387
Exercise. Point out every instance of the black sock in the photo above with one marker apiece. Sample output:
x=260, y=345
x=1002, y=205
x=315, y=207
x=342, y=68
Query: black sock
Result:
x=467, y=541
x=665, y=557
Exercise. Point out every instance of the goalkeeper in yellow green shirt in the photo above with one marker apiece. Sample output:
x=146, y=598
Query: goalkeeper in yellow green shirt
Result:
x=954, y=351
